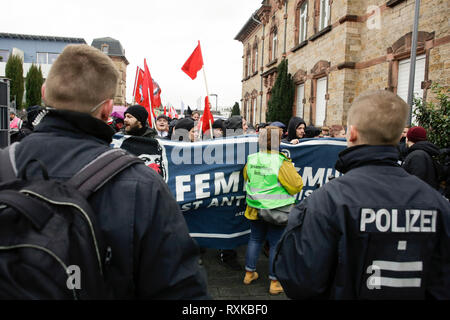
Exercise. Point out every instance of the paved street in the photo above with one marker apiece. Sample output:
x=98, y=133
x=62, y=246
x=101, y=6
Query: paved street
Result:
x=226, y=284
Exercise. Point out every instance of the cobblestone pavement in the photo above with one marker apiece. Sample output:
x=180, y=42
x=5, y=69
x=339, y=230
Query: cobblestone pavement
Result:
x=226, y=284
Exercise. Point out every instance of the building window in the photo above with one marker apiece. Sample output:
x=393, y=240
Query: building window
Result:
x=324, y=19
x=274, y=44
x=52, y=57
x=253, y=117
x=248, y=63
x=255, y=58
x=321, y=102
x=41, y=58
x=105, y=48
x=4, y=55
x=300, y=98
x=404, y=67
x=245, y=108
x=46, y=57
x=303, y=12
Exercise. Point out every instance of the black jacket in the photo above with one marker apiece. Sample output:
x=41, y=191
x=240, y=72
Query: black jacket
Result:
x=153, y=256
x=338, y=243
x=419, y=162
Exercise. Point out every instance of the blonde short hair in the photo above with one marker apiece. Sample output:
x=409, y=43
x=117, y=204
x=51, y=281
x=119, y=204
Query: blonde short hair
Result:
x=379, y=116
x=270, y=138
x=81, y=77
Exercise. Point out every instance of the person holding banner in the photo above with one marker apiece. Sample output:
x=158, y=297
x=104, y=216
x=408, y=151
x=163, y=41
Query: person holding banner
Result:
x=376, y=232
x=272, y=182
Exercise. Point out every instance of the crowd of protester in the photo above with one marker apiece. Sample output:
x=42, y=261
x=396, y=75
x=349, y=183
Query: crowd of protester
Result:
x=317, y=248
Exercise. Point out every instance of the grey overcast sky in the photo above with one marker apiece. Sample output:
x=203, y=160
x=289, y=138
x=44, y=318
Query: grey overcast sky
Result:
x=164, y=32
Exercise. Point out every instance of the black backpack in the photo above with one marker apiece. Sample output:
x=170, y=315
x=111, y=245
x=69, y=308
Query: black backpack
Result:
x=51, y=246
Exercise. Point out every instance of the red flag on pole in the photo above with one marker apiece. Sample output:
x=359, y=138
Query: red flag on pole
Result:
x=207, y=117
x=156, y=94
x=139, y=88
x=194, y=63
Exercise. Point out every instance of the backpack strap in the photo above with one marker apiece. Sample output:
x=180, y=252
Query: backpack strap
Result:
x=8, y=171
x=101, y=170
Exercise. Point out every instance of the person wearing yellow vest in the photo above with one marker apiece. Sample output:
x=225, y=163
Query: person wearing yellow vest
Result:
x=272, y=182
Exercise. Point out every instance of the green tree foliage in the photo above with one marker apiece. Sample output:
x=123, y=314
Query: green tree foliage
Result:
x=282, y=97
x=14, y=71
x=33, y=84
x=235, y=111
x=435, y=117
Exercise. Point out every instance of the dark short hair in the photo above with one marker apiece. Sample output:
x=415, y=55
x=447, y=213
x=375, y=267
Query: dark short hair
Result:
x=162, y=116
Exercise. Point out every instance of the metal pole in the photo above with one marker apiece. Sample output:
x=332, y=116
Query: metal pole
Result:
x=412, y=70
x=285, y=26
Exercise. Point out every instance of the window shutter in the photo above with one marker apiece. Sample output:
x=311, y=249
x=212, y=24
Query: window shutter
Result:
x=300, y=97
x=321, y=103
x=254, y=111
x=403, y=77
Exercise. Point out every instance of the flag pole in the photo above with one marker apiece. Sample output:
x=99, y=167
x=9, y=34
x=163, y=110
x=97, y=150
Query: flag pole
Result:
x=135, y=82
x=207, y=93
x=151, y=110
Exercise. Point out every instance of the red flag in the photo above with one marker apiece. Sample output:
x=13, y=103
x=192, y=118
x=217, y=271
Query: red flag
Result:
x=148, y=90
x=156, y=94
x=207, y=116
x=194, y=63
x=139, y=89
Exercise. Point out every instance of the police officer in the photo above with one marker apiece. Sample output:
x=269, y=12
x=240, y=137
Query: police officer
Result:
x=375, y=233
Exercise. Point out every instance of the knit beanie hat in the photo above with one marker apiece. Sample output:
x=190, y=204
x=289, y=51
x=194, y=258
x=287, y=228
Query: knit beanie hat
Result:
x=416, y=134
x=139, y=113
x=186, y=123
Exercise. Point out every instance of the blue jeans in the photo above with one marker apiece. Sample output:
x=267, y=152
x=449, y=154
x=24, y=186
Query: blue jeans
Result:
x=260, y=231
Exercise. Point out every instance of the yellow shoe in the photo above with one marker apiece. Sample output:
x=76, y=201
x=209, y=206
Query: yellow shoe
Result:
x=250, y=276
x=275, y=287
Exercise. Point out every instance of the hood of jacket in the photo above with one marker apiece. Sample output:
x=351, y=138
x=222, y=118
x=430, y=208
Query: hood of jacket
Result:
x=292, y=127
x=364, y=155
x=75, y=123
x=426, y=146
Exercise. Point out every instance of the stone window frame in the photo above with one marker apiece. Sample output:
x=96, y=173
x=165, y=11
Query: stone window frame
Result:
x=103, y=47
x=319, y=21
x=268, y=96
x=253, y=99
x=245, y=105
x=272, y=52
x=321, y=69
x=318, y=33
x=299, y=78
x=248, y=61
x=401, y=50
x=255, y=57
x=297, y=29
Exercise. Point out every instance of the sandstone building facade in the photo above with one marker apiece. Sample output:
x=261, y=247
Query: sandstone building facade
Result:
x=337, y=49
x=113, y=48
